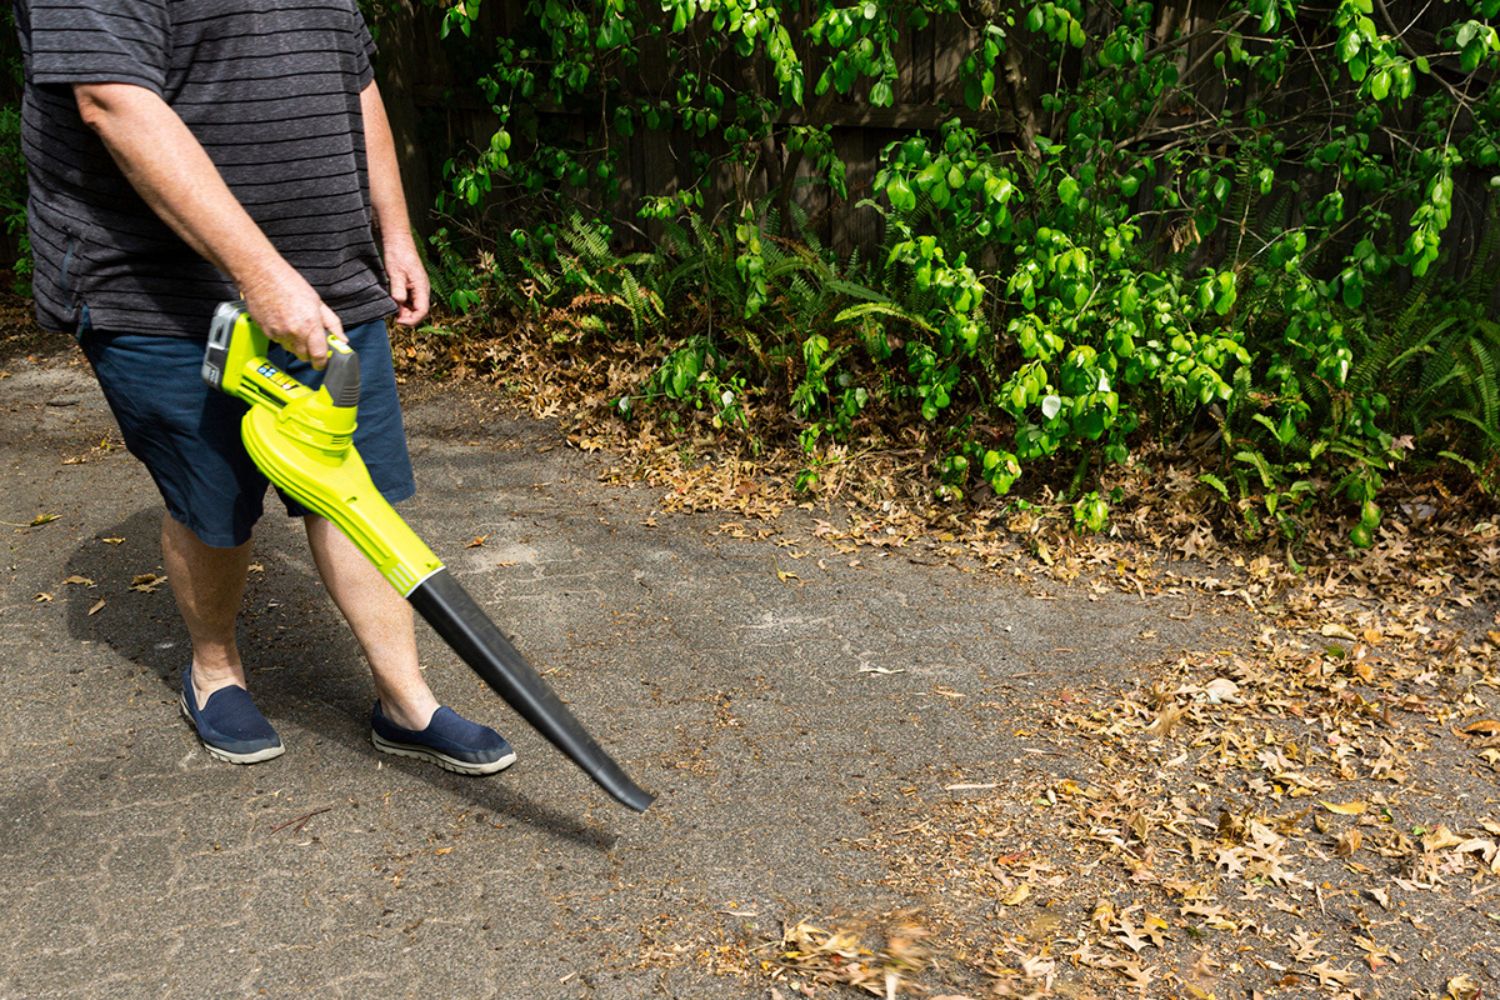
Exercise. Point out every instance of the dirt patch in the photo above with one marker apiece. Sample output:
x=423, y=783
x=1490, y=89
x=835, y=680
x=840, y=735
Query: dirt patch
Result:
x=19, y=334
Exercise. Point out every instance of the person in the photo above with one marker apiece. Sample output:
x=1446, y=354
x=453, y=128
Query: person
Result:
x=181, y=153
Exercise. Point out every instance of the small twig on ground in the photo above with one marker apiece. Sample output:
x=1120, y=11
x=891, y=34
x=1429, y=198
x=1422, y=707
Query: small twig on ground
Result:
x=299, y=822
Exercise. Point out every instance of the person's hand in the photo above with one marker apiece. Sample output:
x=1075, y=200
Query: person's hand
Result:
x=292, y=314
x=409, y=285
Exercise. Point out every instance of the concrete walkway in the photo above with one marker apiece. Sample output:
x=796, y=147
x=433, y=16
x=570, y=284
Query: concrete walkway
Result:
x=779, y=721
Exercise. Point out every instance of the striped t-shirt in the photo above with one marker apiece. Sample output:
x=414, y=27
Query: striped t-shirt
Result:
x=269, y=87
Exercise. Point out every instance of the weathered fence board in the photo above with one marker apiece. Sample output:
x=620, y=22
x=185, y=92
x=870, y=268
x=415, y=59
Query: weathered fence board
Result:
x=657, y=162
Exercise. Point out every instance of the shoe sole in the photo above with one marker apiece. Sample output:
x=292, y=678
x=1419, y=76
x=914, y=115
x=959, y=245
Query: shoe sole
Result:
x=442, y=760
x=229, y=756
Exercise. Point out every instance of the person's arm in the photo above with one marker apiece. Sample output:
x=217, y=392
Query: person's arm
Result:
x=409, y=285
x=165, y=163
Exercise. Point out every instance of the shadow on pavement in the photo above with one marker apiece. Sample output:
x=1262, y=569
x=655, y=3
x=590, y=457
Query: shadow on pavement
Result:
x=328, y=699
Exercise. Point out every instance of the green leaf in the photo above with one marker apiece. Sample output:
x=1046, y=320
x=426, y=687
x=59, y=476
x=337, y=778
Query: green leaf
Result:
x=1226, y=294
x=1208, y=478
x=1353, y=291
x=1067, y=191
x=1472, y=53
x=1348, y=46
x=900, y=194
x=973, y=94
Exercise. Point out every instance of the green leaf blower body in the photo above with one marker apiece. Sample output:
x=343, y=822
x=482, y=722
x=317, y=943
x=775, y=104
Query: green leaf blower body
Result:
x=302, y=439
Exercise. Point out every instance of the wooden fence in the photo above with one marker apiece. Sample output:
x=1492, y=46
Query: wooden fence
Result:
x=436, y=110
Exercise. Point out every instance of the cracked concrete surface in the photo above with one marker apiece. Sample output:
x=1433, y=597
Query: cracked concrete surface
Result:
x=136, y=866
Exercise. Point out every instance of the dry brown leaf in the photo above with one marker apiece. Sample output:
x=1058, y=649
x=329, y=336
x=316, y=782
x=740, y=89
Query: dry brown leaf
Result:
x=1166, y=721
x=1329, y=976
x=1038, y=967
x=1018, y=895
x=79, y=581
x=98, y=607
x=1304, y=946
x=1463, y=988
x=112, y=541
x=1354, y=808
x=1484, y=727
x=1440, y=839
x=476, y=541
x=1333, y=630
x=146, y=583
x=1222, y=690
x=1139, y=975
x=42, y=598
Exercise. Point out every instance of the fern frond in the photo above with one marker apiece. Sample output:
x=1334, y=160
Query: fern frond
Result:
x=1481, y=279
x=882, y=309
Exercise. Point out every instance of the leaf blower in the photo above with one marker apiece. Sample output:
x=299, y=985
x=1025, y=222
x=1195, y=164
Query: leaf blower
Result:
x=302, y=439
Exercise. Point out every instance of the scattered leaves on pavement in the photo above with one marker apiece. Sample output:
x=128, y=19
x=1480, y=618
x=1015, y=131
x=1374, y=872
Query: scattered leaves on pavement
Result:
x=146, y=583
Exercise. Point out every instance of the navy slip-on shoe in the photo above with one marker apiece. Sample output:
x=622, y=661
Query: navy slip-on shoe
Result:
x=229, y=724
x=450, y=741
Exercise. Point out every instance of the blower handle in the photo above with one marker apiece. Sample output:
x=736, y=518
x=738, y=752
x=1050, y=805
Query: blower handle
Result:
x=341, y=376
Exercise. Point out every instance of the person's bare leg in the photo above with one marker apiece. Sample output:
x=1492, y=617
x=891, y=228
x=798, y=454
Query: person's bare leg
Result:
x=381, y=620
x=209, y=584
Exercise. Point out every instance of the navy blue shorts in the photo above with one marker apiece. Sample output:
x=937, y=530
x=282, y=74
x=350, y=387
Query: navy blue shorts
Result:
x=188, y=434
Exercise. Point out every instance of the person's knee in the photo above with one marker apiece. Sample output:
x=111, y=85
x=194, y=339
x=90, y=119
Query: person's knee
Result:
x=184, y=534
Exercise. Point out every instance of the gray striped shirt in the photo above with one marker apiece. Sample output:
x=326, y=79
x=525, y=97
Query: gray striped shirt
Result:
x=269, y=87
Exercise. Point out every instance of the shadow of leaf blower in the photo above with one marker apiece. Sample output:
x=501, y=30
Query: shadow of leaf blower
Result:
x=302, y=439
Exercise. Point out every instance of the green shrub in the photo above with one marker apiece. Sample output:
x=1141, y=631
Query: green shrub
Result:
x=13, y=196
x=1185, y=234
x=12, y=162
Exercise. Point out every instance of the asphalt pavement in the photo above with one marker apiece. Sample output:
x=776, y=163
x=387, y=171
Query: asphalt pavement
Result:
x=780, y=716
